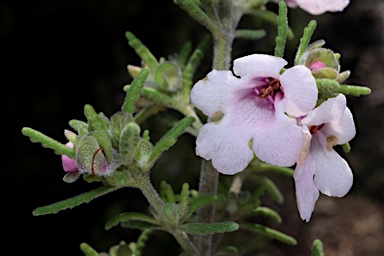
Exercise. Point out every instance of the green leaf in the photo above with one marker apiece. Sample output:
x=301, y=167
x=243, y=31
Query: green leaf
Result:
x=169, y=139
x=144, y=236
x=88, y=250
x=281, y=30
x=95, y=121
x=268, y=212
x=72, y=202
x=184, y=54
x=154, y=96
x=250, y=34
x=317, y=248
x=129, y=138
x=166, y=192
x=283, y=170
x=47, y=142
x=209, y=228
x=142, y=51
x=268, y=232
x=133, y=92
x=346, y=147
x=123, y=217
x=193, y=63
x=138, y=224
x=354, y=90
x=272, y=190
x=78, y=125
x=202, y=200
x=270, y=17
x=304, y=40
x=168, y=76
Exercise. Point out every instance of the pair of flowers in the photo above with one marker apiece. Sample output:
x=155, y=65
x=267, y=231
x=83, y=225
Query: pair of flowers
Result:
x=270, y=112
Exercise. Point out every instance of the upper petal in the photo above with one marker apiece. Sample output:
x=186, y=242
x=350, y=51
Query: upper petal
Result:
x=343, y=128
x=331, y=109
x=300, y=90
x=258, y=65
x=316, y=7
x=277, y=139
x=333, y=176
x=215, y=92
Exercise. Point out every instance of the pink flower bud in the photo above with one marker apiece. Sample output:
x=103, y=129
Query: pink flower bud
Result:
x=69, y=164
x=316, y=65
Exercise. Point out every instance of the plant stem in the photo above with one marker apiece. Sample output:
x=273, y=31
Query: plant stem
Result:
x=144, y=184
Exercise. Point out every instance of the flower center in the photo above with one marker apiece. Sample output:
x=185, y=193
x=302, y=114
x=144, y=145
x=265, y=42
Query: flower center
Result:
x=315, y=128
x=269, y=90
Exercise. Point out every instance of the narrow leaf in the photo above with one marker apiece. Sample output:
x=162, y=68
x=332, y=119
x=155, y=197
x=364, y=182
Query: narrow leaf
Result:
x=88, y=250
x=354, y=90
x=202, y=200
x=209, y=228
x=129, y=138
x=317, y=248
x=192, y=64
x=123, y=217
x=133, y=92
x=304, y=40
x=138, y=224
x=281, y=30
x=95, y=121
x=267, y=212
x=142, y=51
x=154, y=96
x=250, y=34
x=170, y=138
x=47, y=142
x=184, y=54
x=72, y=202
x=272, y=190
x=271, y=233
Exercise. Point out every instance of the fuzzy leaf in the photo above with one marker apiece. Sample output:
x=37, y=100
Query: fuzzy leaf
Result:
x=209, y=228
x=168, y=76
x=184, y=54
x=268, y=212
x=142, y=51
x=170, y=138
x=317, y=248
x=304, y=40
x=47, y=142
x=281, y=30
x=272, y=190
x=129, y=138
x=133, y=93
x=72, y=202
x=354, y=90
x=202, y=200
x=95, y=121
x=123, y=217
x=271, y=233
x=250, y=34
x=88, y=250
x=138, y=224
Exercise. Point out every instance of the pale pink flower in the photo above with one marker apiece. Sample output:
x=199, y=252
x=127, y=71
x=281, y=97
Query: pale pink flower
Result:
x=320, y=167
x=258, y=107
x=69, y=164
x=317, y=7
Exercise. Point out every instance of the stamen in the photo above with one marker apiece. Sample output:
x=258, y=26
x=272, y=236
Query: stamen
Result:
x=315, y=128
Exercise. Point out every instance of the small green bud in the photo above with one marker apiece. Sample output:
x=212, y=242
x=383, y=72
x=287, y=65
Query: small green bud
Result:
x=142, y=152
x=168, y=76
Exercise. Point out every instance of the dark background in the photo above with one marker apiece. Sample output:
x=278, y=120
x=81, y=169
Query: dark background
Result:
x=57, y=56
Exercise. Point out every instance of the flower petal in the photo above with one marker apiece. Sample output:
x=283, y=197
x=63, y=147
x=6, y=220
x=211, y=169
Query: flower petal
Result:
x=343, y=129
x=215, y=92
x=258, y=65
x=331, y=109
x=69, y=164
x=229, y=152
x=306, y=191
x=277, y=139
x=300, y=90
x=333, y=176
x=316, y=7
